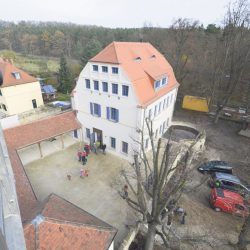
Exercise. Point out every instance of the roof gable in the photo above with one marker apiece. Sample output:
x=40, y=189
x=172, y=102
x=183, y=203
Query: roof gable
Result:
x=143, y=64
x=61, y=224
x=13, y=75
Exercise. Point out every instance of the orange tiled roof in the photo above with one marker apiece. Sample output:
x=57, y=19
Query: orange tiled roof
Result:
x=62, y=225
x=24, y=135
x=9, y=79
x=143, y=65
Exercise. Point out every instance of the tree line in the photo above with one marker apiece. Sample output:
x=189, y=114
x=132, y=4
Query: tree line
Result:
x=204, y=58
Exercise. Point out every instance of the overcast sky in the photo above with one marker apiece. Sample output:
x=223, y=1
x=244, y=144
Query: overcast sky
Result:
x=114, y=13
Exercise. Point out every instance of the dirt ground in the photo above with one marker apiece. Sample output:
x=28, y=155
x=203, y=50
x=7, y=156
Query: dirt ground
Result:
x=207, y=228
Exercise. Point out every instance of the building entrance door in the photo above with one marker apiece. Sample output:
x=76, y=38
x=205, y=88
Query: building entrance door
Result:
x=98, y=133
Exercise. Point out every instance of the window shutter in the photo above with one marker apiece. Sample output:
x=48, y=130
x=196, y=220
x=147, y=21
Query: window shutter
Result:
x=117, y=115
x=91, y=108
x=108, y=113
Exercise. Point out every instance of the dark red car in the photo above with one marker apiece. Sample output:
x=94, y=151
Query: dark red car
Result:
x=229, y=202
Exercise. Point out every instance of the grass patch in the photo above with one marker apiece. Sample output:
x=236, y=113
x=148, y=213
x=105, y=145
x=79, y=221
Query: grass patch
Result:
x=63, y=97
x=35, y=65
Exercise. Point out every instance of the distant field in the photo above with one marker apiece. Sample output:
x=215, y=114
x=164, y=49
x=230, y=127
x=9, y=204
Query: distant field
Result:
x=33, y=64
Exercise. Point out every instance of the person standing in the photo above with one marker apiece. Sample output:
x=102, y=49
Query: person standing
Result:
x=95, y=148
x=103, y=148
x=79, y=154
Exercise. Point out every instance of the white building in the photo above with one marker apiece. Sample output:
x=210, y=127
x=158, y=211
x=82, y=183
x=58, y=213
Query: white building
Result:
x=19, y=91
x=118, y=88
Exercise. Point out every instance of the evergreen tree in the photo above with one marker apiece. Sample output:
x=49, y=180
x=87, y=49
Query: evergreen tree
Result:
x=90, y=50
x=64, y=77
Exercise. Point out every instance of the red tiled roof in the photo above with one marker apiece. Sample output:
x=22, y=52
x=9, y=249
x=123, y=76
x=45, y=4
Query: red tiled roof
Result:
x=24, y=135
x=9, y=79
x=30, y=236
x=143, y=65
x=62, y=225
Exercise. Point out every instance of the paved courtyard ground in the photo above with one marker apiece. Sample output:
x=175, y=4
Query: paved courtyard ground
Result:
x=93, y=194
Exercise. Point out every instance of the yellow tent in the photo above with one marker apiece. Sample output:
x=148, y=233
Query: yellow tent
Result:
x=195, y=103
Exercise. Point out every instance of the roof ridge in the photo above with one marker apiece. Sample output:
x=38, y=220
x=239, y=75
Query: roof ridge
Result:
x=72, y=204
x=116, y=55
x=44, y=118
x=108, y=229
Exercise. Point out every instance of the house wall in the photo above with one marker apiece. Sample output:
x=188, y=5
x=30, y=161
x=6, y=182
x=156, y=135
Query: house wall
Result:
x=19, y=98
x=129, y=114
x=163, y=119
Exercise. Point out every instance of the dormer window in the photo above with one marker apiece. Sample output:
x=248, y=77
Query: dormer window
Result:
x=138, y=58
x=161, y=83
x=153, y=56
x=16, y=75
x=157, y=84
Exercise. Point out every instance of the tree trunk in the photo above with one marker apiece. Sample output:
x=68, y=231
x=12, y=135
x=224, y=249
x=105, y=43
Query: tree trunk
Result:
x=150, y=236
x=217, y=115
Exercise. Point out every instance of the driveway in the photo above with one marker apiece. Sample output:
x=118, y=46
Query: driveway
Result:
x=93, y=194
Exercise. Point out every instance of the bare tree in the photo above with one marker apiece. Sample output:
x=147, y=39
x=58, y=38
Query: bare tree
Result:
x=182, y=30
x=157, y=182
x=231, y=55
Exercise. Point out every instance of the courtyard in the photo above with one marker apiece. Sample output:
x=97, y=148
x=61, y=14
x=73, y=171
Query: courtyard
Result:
x=94, y=193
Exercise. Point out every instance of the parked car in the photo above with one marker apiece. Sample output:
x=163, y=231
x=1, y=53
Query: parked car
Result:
x=215, y=166
x=230, y=182
x=229, y=202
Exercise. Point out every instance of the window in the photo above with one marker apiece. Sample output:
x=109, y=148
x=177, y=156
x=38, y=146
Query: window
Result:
x=164, y=103
x=167, y=122
x=160, y=129
x=146, y=143
x=171, y=98
x=115, y=88
x=75, y=133
x=16, y=75
x=95, y=68
x=4, y=107
x=155, y=113
x=164, y=81
x=95, y=109
x=104, y=86
x=34, y=103
x=114, y=70
x=88, y=133
x=87, y=83
x=113, y=114
x=125, y=147
x=149, y=113
x=157, y=84
x=159, y=108
x=96, y=85
x=124, y=90
x=167, y=102
x=105, y=69
x=1, y=92
x=112, y=142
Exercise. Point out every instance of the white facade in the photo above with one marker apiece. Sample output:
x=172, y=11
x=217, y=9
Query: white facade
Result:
x=20, y=98
x=131, y=114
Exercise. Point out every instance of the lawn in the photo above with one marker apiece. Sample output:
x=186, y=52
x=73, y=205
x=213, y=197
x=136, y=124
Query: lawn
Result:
x=31, y=63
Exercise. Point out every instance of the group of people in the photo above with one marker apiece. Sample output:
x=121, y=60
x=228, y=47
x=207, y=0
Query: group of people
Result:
x=83, y=155
x=97, y=145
